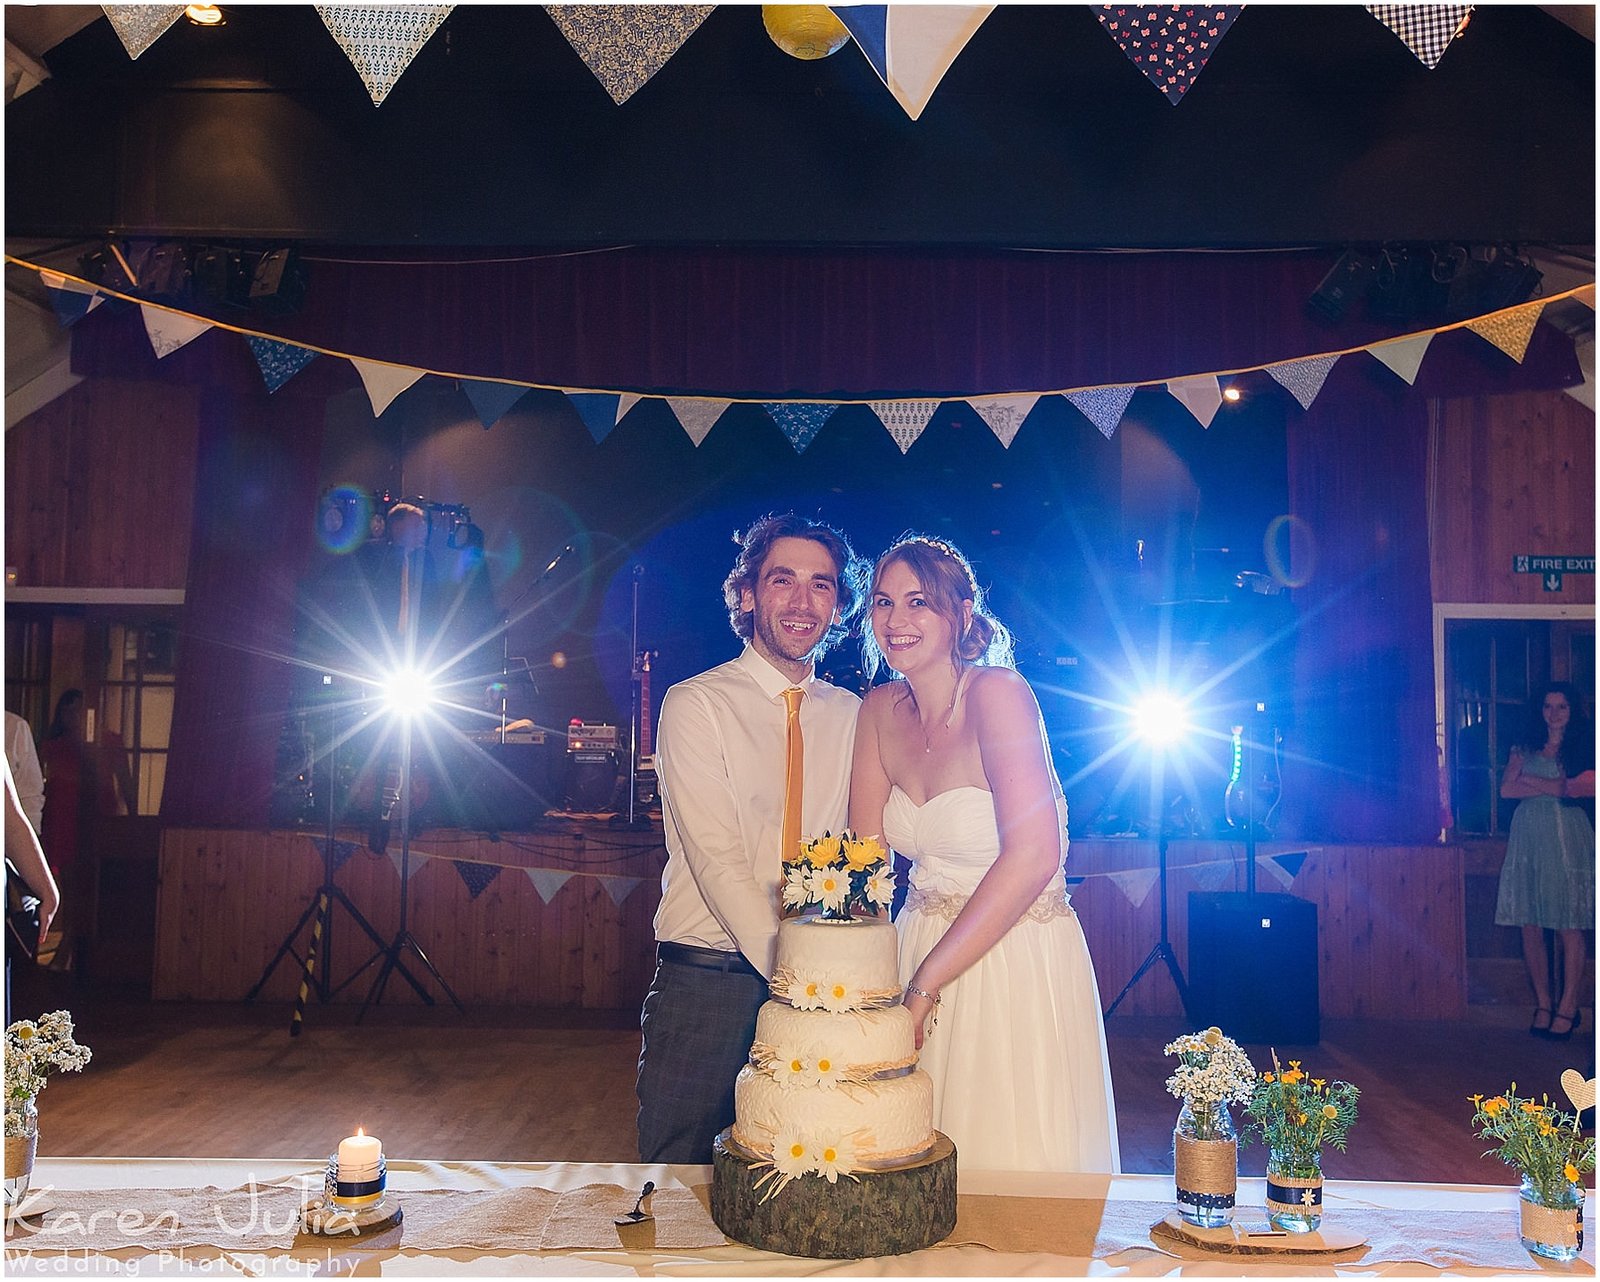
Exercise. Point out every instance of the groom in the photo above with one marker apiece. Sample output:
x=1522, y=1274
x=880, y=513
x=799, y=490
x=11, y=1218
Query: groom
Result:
x=721, y=758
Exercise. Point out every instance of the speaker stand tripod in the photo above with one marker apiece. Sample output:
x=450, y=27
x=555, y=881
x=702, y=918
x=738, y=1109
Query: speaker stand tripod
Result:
x=1162, y=952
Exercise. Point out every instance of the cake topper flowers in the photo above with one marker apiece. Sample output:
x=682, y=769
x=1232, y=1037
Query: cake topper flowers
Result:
x=841, y=874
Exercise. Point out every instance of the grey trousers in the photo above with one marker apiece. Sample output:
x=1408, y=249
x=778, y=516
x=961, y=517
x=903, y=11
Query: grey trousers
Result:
x=698, y=1026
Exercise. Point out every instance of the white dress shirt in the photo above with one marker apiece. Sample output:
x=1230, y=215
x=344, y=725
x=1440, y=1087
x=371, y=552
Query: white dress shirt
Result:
x=23, y=758
x=720, y=762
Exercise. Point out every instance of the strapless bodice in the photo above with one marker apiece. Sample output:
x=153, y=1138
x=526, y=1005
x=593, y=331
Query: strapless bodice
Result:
x=952, y=838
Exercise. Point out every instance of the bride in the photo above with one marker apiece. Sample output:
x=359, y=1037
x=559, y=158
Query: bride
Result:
x=952, y=768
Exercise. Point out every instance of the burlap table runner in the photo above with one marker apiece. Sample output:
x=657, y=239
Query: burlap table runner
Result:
x=252, y=1217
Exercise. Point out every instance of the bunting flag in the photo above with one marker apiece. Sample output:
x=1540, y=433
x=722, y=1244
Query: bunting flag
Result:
x=619, y=888
x=1201, y=396
x=1585, y=296
x=696, y=415
x=1074, y=882
x=799, y=423
x=547, y=881
x=492, y=401
x=71, y=299
x=384, y=382
x=381, y=39
x=278, y=362
x=1211, y=875
x=1510, y=331
x=1292, y=861
x=1169, y=43
x=1403, y=355
x=905, y=420
x=1004, y=414
x=1425, y=29
x=342, y=850
x=625, y=44
x=169, y=331
x=1304, y=378
x=397, y=858
x=139, y=26
x=1103, y=406
x=911, y=46
x=1272, y=868
x=598, y=410
x=476, y=876
x=626, y=402
x=1135, y=884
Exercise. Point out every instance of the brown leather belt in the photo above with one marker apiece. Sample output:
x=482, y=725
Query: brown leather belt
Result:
x=707, y=959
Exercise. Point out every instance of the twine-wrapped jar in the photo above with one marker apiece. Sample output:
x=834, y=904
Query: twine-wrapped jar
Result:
x=1552, y=1220
x=1205, y=1164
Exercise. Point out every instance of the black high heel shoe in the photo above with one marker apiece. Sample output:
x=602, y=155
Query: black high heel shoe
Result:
x=1538, y=1029
x=1565, y=1035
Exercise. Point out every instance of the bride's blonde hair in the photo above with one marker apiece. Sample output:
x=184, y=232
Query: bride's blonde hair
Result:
x=947, y=581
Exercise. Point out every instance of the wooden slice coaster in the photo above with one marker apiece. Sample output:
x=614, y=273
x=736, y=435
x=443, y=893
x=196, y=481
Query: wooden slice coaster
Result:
x=877, y=1213
x=1238, y=1239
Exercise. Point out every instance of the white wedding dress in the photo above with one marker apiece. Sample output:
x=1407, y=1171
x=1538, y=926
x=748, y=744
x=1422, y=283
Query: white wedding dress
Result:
x=1018, y=1058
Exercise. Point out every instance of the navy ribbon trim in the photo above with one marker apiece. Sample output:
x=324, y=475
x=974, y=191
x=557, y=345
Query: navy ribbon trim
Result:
x=366, y=1188
x=1295, y=1195
x=1211, y=1201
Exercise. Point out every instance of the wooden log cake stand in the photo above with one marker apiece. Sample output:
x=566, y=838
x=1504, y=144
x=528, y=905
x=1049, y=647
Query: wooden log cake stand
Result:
x=877, y=1213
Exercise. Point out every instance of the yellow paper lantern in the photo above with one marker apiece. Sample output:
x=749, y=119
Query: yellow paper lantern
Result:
x=804, y=30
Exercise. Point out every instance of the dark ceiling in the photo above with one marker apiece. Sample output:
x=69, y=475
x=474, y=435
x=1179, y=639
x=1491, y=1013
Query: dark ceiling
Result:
x=1311, y=125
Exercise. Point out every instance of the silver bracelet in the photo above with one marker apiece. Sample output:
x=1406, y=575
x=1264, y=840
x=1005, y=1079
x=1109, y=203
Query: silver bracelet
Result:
x=923, y=992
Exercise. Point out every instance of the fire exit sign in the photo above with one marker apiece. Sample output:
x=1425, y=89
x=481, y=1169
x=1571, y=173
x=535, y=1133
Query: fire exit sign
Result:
x=1551, y=568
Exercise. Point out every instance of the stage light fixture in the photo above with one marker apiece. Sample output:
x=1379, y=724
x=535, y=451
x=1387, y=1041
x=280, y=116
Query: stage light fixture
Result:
x=1231, y=394
x=1160, y=719
x=408, y=692
x=278, y=282
x=204, y=15
x=114, y=265
x=1349, y=282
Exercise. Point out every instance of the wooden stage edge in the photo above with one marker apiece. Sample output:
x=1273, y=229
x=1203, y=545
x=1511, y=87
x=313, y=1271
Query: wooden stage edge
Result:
x=561, y=917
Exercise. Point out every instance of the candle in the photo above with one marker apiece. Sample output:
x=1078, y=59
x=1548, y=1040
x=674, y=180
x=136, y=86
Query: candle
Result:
x=359, y=1155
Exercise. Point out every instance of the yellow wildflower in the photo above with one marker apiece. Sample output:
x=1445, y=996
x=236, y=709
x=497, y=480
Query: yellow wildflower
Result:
x=1571, y=1172
x=1545, y=1128
x=863, y=853
x=1329, y=1112
x=1494, y=1107
x=1475, y=1099
x=1528, y=1106
x=1319, y=1082
x=1294, y=1076
x=1300, y=1119
x=1294, y=1063
x=1266, y=1077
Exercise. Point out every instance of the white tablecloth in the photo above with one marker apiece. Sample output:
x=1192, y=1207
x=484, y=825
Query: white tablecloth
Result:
x=1497, y=1204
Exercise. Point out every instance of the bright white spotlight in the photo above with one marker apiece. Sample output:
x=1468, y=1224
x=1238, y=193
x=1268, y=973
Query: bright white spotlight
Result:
x=407, y=692
x=1160, y=719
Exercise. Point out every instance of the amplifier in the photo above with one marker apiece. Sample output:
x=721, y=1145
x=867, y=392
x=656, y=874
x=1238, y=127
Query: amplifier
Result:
x=1253, y=967
x=583, y=736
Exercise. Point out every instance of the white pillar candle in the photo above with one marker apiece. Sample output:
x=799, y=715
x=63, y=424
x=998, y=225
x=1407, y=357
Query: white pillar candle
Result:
x=359, y=1155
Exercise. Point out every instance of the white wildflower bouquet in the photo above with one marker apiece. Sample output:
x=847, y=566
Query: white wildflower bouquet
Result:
x=34, y=1050
x=840, y=874
x=1213, y=1072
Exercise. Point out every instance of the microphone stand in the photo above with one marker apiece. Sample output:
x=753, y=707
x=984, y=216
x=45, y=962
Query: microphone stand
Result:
x=633, y=715
x=505, y=634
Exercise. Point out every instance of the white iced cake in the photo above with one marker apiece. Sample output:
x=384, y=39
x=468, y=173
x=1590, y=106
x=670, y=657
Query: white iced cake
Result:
x=832, y=1083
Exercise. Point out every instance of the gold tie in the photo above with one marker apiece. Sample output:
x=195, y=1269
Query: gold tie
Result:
x=794, y=772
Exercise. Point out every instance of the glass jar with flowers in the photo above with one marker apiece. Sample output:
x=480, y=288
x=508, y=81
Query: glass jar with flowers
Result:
x=1212, y=1073
x=1294, y=1115
x=34, y=1050
x=1545, y=1146
x=843, y=875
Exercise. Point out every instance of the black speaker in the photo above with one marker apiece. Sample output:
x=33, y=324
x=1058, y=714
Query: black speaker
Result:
x=592, y=781
x=1253, y=967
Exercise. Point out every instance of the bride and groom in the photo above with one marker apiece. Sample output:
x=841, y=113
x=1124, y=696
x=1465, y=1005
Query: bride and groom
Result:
x=949, y=763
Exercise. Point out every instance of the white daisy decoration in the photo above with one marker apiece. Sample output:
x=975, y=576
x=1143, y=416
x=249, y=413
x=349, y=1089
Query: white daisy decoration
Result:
x=834, y=1157
x=827, y=1071
x=789, y=1068
x=792, y=1155
x=829, y=887
x=880, y=888
x=836, y=995
x=796, y=892
x=805, y=992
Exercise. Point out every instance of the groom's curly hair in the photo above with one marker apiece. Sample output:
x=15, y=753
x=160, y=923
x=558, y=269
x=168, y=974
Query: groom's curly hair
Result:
x=757, y=541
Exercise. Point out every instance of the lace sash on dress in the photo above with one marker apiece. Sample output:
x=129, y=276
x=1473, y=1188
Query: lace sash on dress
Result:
x=1055, y=902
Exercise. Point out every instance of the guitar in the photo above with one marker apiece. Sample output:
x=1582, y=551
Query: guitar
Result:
x=644, y=779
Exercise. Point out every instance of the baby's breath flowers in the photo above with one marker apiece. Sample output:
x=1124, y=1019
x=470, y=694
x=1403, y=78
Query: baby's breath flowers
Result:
x=840, y=874
x=1295, y=1114
x=1536, y=1139
x=1213, y=1071
x=35, y=1050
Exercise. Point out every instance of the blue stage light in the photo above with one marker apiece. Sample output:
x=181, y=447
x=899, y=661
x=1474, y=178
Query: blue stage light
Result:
x=1160, y=719
x=408, y=692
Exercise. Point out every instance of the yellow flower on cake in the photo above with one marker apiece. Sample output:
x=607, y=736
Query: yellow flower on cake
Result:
x=880, y=888
x=829, y=887
x=833, y=1157
x=836, y=996
x=862, y=853
x=795, y=890
x=822, y=852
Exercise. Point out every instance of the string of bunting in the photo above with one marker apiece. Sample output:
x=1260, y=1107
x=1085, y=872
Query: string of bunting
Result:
x=909, y=47
x=800, y=420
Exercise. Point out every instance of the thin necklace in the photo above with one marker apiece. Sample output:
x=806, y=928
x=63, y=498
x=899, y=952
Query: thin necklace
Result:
x=949, y=714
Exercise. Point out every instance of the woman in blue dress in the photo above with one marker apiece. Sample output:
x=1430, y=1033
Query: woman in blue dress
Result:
x=1547, y=881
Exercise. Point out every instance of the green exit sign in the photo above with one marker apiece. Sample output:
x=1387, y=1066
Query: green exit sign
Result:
x=1551, y=568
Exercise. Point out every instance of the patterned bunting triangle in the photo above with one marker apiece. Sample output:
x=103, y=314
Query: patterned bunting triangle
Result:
x=905, y=419
x=278, y=362
x=397, y=857
x=1004, y=414
x=1211, y=876
x=381, y=39
x=1103, y=406
x=1201, y=396
x=342, y=850
x=697, y=416
x=384, y=382
x=169, y=331
x=1304, y=378
x=1169, y=43
x=598, y=410
x=547, y=881
x=1425, y=29
x=492, y=401
x=619, y=888
x=800, y=423
x=1135, y=884
x=476, y=876
x=625, y=44
x=1510, y=331
x=625, y=403
x=1404, y=355
x=71, y=300
x=911, y=46
x=139, y=26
